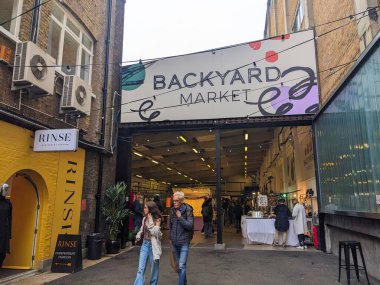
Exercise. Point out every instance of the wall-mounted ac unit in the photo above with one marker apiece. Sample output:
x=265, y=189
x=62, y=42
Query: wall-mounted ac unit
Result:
x=33, y=69
x=76, y=95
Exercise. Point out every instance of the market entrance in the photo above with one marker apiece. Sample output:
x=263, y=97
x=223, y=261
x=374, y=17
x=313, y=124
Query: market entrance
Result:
x=25, y=200
x=255, y=160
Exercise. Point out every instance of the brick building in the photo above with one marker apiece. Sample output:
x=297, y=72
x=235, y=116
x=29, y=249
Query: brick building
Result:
x=346, y=127
x=59, y=69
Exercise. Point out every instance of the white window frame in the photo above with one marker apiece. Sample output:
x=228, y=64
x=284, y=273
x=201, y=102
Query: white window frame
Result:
x=66, y=29
x=300, y=8
x=15, y=25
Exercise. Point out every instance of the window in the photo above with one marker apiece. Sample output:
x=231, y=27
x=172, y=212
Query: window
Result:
x=9, y=10
x=69, y=44
x=300, y=14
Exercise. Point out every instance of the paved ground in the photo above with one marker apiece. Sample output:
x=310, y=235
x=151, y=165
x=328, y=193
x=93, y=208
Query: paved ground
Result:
x=238, y=264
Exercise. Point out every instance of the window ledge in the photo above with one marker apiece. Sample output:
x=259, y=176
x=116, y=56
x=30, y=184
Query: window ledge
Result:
x=8, y=35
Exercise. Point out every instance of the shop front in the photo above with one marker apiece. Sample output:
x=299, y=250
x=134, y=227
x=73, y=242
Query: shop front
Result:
x=45, y=190
x=347, y=147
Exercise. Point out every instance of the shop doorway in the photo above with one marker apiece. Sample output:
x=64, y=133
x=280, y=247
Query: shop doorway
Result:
x=271, y=160
x=26, y=204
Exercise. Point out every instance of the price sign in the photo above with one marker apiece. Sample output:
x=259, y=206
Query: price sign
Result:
x=263, y=200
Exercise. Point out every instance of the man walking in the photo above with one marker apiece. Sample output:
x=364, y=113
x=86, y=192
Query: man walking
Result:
x=181, y=232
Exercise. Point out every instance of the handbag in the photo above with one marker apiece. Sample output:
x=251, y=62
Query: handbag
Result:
x=173, y=262
x=140, y=241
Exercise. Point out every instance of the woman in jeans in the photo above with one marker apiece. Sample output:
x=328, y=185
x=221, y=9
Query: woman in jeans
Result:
x=150, y=233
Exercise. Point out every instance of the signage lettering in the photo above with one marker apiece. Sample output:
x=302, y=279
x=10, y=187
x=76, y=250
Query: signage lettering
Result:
x=55, y=137
x=70, y=191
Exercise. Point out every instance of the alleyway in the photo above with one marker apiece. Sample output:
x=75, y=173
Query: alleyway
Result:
x=238, y=264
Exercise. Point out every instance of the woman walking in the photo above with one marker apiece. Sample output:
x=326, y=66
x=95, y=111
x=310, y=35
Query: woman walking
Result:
x=150, y=234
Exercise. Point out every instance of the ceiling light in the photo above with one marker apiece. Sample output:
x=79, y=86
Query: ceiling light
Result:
x=164, y=182
x=203, y=159
x=179, y=173
x=245, y=157
x=182, y=138
x=185, y=176
x=156, y=162
x=191, y=179
x=139, y=176
x=195, y=150
x=208, y=165
x=137, y=153
x=168, y=168
x=246, y=136
x=245, y=163
x=246, y=148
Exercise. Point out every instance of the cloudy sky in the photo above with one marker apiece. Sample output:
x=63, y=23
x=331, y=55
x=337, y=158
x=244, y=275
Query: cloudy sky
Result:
x=158, y=28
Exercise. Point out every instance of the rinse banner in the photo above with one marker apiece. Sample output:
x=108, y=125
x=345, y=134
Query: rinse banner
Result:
x=271, y=77
x=56, y=140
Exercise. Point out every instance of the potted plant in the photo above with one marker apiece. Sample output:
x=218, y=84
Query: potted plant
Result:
x=114, y=212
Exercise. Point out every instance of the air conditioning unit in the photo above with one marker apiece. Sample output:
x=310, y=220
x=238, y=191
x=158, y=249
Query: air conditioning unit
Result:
x=33, y=69
x=76, y=95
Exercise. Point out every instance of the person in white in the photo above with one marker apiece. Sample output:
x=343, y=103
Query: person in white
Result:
x=300, y=226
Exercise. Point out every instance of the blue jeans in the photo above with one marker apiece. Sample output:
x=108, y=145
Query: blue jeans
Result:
x=181, y=252
x=145, y=254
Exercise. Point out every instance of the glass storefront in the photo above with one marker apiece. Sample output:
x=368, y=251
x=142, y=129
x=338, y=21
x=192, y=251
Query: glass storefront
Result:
x=347, y=135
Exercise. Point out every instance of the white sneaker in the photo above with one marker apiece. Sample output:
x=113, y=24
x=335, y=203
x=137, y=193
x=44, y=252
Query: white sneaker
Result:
x=305, y=247
x=299, y=247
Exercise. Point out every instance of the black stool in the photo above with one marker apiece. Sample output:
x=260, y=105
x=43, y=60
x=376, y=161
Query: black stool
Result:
x=353, y=245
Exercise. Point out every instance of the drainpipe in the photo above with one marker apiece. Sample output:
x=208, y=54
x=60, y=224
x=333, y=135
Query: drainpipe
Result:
x=35, y=20
x=104, y=108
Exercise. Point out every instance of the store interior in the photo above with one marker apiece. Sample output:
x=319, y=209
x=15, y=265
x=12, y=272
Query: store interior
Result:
x=258, y=167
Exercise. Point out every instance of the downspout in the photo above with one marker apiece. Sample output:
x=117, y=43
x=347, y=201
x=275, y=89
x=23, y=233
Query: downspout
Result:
x=35, y=20
x=104, y=108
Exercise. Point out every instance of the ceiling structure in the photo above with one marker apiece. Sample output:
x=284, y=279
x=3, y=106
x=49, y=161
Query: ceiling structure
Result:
x=189, y=157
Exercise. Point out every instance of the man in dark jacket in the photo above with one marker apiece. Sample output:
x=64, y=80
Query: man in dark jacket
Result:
x=281, y=224
x=207, y=214
x=5, y=223
x=181, y=232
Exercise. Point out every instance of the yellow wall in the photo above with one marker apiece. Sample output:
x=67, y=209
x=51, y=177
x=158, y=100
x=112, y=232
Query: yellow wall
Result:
x=59, y=179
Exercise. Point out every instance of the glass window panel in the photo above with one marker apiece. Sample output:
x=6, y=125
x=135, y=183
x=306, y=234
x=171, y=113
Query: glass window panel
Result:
x=87, y=42
x=85, y=66
x=73, y=27
x=69, y=55
x=57, y=12
x=6, y=12
x=347, y=141
x=54, y=39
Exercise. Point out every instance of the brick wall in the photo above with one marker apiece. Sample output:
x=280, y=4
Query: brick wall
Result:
x=335, y=48
x=92, y=14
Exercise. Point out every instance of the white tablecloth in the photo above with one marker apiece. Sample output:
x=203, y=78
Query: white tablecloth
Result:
x=262, y=231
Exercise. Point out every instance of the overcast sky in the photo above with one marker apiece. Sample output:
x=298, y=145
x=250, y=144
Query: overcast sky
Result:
x=158, y=28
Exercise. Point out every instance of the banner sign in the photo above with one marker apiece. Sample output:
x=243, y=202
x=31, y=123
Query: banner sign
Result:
x=271, y=77
x=68, y=254
x=56, y=140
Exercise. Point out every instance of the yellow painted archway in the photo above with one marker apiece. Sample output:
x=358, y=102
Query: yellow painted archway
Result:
x=25, y=199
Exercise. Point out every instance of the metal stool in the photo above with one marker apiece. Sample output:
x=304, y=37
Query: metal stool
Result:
x=353, y=245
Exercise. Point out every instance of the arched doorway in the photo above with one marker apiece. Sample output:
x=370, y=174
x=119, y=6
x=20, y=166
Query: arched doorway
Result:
x=26, y=205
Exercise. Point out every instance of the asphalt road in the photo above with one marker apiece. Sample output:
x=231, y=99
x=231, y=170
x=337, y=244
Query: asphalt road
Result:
x=231, y=266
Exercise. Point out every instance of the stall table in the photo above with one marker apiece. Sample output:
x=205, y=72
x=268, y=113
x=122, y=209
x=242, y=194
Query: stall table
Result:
x=260, y=230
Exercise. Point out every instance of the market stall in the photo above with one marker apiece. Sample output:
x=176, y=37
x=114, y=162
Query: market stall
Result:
x=259, y=230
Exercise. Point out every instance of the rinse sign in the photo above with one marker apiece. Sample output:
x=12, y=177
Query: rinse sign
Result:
x=56, y=140
x=271, y=77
